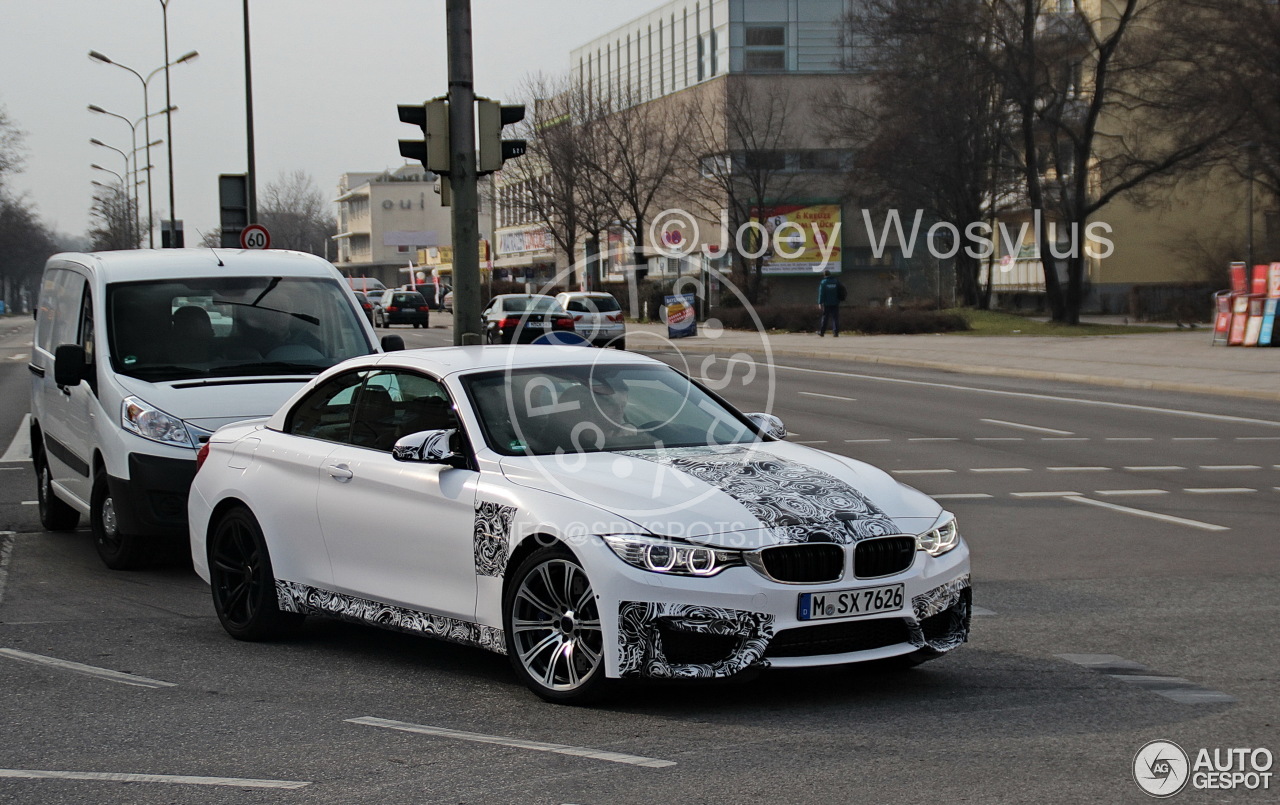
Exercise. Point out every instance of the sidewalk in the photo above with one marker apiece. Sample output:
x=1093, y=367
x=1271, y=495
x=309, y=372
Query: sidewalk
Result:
x=1179, y=360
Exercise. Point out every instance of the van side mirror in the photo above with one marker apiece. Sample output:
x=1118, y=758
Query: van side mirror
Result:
x=392, y=343
x=430, y=447
x=69, y=366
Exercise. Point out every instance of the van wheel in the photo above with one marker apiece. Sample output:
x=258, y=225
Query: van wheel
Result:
x=118, y=550
x=54, y=514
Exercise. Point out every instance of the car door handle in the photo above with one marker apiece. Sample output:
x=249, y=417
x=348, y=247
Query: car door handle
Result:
x=340, y=473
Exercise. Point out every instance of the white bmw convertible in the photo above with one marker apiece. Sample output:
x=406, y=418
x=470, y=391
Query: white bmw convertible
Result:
x=593, y=515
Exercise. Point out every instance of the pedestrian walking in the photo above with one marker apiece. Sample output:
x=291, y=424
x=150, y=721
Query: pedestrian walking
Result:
x=830, y=294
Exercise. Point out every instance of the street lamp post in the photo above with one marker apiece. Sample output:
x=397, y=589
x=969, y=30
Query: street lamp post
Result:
x=124, y=180
x=133, y=131
x=146, y=116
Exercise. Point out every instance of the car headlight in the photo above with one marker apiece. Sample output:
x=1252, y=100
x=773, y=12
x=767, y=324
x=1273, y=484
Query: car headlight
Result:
x=149, y=422
x=941, y=538
x=659, y=555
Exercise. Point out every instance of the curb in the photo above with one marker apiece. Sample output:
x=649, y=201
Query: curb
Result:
x=1000, y=371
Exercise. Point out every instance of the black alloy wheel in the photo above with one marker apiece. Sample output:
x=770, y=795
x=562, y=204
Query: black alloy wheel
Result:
x=242, y=581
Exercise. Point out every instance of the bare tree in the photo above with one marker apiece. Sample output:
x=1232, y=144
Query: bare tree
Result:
x=11, y=150
x=925, y=115
x=739, y=154
x=297, y=214
x=113, y=213
x=554, y=183
x=1096, y=94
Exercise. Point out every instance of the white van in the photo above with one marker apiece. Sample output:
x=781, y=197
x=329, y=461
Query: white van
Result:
x=139, y=355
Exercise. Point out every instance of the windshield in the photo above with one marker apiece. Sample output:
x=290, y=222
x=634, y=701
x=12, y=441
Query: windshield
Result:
x=231, y=326
x=585, y=409
x=537, y=304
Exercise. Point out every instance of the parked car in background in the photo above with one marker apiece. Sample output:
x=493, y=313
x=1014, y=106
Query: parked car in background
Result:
x=139, y=355
x=368, y=307
x=405, y=307
x=365, y=284
x=592, y=517
x=521, y=318
x=446, y=302
x=597, y=317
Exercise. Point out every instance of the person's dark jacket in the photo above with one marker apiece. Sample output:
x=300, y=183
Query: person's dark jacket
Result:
x=829, y=291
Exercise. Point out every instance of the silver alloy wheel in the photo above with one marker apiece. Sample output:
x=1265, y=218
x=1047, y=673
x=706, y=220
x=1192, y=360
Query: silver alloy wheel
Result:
x=556, y=626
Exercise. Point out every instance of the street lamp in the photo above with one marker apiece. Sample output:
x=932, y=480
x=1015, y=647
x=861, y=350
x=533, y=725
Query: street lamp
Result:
x=124, y=180
x=146, y=116
x=168, y=119
x=133, y=131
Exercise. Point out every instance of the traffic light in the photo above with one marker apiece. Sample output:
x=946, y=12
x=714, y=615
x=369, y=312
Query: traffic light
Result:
x=433, y=118
x=491, y=116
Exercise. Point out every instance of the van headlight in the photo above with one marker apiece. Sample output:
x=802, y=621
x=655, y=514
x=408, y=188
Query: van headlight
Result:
x=149, y=422
x=941, y=538
x=659, y=555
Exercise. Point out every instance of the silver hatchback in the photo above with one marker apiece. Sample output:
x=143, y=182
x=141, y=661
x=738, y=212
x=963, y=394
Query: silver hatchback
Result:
x=597, y=317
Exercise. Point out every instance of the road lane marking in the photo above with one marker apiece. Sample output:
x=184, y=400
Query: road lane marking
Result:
x=1230, y=467
x=88, y=670
x=1198, y=438
x=999, y=469
x=1171, y=687
x=808, y=441
x=920, y=472
x=1042, y=494
x=1219, y=490
x=1078, y=469
x=1130, y=439
x=1117, y=492
x=20, y=447
x=934, y=439
x=1154, y=469
x=1035, y=428
x=6, y=551
x=1256, y=439
x=122, y=777
x=518, y=743
x=962, y=496
x=863, y=441
x=30, y=503
x=826, y=396
x=1065, y=439
x=978, y=612
x=1144, y=513
x=998, y=439
x=1027, y=395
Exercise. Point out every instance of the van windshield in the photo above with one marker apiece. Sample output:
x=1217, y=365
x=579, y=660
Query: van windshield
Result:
x=231, y=327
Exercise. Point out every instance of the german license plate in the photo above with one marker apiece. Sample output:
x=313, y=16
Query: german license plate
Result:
x=851, y=603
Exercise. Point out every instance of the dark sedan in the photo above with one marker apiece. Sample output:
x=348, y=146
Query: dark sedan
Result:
x=521, y=318
x=405, y=307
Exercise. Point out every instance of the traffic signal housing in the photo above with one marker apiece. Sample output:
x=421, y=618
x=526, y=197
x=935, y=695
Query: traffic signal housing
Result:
x=433, y=118
x=491, y=116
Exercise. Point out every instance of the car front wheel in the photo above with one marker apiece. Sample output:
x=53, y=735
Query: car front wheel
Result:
x=243, y=582
x=552, y=626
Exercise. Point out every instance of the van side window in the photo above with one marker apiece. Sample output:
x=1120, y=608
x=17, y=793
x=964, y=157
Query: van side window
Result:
x=86, y=327
x=71, y=293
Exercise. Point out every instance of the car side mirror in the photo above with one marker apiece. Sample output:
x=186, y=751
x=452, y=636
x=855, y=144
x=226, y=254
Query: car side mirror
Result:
x=769, y=425
x=430, y=447
x=392, y=343
x=69, y=366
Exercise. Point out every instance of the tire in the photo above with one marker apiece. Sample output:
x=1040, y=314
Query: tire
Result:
x=116, y=549
x=242, y=581
x=555, y=650
x=492, y=338
x=54, y=514
x=620, y=342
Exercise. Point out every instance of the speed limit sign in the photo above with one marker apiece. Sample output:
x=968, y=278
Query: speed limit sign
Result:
x=255, y=236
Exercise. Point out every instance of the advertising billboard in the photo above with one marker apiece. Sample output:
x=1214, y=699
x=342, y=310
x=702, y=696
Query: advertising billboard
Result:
x=803, y=238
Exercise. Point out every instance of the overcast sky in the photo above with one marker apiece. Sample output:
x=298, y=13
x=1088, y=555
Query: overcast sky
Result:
x=327, y=75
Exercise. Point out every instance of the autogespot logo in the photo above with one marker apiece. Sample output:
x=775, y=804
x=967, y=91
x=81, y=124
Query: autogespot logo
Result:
x=1161, y=768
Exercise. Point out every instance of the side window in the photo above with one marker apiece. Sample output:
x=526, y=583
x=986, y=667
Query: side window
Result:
x=86, y=339
x=395, y=403
x=326, y=413
x=48, y=308
x=67, y=301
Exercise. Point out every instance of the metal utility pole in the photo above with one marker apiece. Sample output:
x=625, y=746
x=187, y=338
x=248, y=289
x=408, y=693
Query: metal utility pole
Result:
x=462, y=177
x=251, y=175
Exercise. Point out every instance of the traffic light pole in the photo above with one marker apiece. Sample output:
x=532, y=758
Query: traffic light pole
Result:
x=462, y=177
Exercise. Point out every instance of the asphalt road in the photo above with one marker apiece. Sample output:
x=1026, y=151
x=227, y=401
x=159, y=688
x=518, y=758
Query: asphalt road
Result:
x=1125, y=560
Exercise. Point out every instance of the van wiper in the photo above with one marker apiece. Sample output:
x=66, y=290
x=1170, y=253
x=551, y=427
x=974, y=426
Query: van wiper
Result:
x=307, y=317
x=268, y=367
